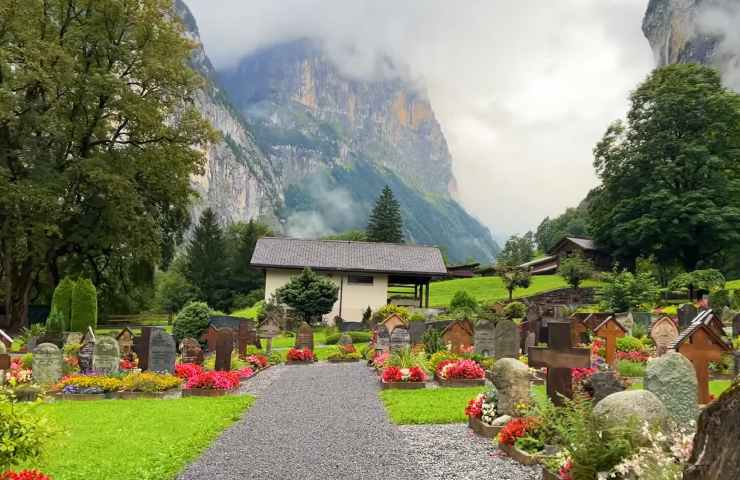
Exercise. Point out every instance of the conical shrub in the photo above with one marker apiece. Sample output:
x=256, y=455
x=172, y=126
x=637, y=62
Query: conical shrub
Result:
x=61, y=302
x=84, y=306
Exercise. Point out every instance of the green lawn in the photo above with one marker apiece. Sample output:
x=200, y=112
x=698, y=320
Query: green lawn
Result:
x=733, y=285
x=490, y=289
x=127, y=439
x=250, y=313
x=716, y=387
x=430, y=405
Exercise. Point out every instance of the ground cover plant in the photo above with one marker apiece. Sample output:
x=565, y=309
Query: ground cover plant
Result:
x=125, y=439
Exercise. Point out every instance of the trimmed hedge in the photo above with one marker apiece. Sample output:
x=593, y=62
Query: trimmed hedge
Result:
x=84, y=306
x=357, y=337
x=192, y=321
x=62, y=301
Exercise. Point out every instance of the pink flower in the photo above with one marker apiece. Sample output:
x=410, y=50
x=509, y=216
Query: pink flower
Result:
x=214, y=381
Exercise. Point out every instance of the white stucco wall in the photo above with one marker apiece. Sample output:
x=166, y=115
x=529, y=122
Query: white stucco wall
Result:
x=354, y=298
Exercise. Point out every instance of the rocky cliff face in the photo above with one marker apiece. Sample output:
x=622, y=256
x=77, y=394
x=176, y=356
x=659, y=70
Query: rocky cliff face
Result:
x=696, y=31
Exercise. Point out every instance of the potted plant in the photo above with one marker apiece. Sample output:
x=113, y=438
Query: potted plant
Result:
x=481, y=412
x=212, y=384
x=403, y=378
x=460, y=373
x=296, y=356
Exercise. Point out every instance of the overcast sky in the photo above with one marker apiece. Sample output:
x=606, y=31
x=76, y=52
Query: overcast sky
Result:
x=523, y=89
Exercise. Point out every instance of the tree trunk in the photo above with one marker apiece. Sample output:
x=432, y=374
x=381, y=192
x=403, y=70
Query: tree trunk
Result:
x=19, y=280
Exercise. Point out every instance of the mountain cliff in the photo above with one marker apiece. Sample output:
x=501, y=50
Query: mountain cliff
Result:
x=337, y=140
x=696, y=31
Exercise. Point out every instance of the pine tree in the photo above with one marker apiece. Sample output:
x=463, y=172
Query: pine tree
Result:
x=385, y=223
x=206, y=261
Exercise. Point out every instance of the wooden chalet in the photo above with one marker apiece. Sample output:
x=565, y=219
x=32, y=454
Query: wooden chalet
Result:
x=566, y=247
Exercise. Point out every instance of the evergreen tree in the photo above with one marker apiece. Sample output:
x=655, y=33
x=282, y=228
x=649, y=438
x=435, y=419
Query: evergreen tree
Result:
x=241, y=239
x=206, y=262
x=385, y=223
x=309, y=293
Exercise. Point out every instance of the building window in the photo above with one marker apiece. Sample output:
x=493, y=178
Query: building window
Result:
x=360, y=279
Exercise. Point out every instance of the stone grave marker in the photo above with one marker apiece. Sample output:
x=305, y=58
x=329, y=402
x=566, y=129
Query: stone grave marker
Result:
x=458, y=335
x=663, y=332
x=610, y=330
x=604, y=384
x=485, y=338
x=701, y=345
x=106, y=355
x=162, y=352
x=736, y=326
x=400, y=339
x=511, y=378
x=269, y=330
x=559, y=358
x=85, y=354
x=125, y=342
x=416, y=332
x=47, y=363
x=672, y=379
x=191, y=351
x=224, y=347
x=141, y=347
x=506, y=339
x=642, y=318
x=211, y=336
x=686, y=314
x=247, y=335
x=344, y=340
x=6, y=339
x=382, y=339
x=304, y=337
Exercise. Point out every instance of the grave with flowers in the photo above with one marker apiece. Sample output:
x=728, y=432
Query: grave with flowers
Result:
x=302, y=356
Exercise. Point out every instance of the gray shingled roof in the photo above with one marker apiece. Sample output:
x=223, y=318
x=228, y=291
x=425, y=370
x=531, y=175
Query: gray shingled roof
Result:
x=702, y=320
x=584, y=243
x=341, y=255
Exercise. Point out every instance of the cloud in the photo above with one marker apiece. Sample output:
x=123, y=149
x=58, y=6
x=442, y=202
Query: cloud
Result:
x=523, y=89
x=329, y=210
x=722, y=21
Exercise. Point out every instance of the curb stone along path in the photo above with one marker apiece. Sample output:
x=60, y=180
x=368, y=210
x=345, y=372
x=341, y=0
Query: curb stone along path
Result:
x=325, y=421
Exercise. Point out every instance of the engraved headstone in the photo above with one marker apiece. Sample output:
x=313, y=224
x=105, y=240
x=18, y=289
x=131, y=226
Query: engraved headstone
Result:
x=47, y=364
x=106, y=355
x=162, y=352
x=304, y=337
x=269, y=330
x=506, y=339
x=686, y=314
x=485, y=338
x=663, y=332
x=191, y=351
x=85, y=354
x=416, y=331
x=382, y=339
x=400, y=339
x=224, y=347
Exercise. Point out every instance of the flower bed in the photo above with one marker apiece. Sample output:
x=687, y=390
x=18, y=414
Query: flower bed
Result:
x=257, y=361
x=212, y=384
x=481, y=412
x=24, y=475
x=518, y=440
x=460, y=373
x=403, y=378
x=296, y=356
x=134, y=385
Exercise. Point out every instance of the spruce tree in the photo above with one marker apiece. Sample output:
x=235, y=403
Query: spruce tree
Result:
x=385, y=223
x=206, y=261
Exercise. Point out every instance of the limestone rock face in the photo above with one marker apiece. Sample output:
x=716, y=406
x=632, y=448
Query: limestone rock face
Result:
x=673, y=380
x=642, y=405
x=511, y=378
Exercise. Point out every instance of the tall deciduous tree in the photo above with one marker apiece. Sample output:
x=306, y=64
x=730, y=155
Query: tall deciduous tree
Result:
x=671, y=182
x=513, y=278
x=309, y=293
x=517, y=250
x=98, y=137
x=385, y=223
x=206, y=263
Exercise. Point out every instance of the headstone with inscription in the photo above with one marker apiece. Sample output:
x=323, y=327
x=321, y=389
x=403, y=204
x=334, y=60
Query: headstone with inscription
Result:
x=106, y=355
x=663, y=332
x=506, y=339
x=269, y=330
x=224, y=347
x=382, y=339
x=191, y=351
x=686, y=314
x=400, y=339
x=162, y=352
x=485, y=338
x=304, y=337
x=85, y=354
x=47, y=364
x=416, y=331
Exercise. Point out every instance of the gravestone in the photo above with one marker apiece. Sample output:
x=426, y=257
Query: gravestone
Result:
x=247, y=336
x=625, y=319
x=162, y=352
x=603, y=384
x=106, y=355
x=304, y=337
x=393, y=321
x=686, y=314
x=141, y=347
x=736, y=326
x=191, y=351
x=458, y=336
x=610, y=330
x=224, y=347
x=125, y=342
x=672, y=379
x=382, y=339
x=47, y=364
x=269, y=330
x=85, y=354
x=642, y=318
x=663, y=332
x=559, y=358
x=211, y=337
x=511, y=378
x=400, y=339
x=641, y=405
x=506, y=339
x=485, y=338
x=416, y=332
x=344, y=340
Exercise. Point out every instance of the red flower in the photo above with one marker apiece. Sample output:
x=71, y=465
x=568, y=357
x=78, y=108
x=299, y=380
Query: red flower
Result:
x=475, y=407
x=126, y=364
x=443, y=364
x=257, y=360
x=516, y=428
x=580, y=374
x=24, y=475
x=214, y=381
x=467, y=369
x=564, y=473
x=245, y=372
x=347, y=348
x=416, y=374
x=304, y=355
x=634, y=356
x=188, y=370
x=392, y=374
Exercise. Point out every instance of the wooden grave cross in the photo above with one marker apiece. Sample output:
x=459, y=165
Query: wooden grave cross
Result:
x=559, y=357
x=610, y=330
x=701, y=346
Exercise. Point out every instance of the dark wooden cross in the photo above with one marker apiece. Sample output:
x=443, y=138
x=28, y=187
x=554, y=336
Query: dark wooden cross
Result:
x=224, y=347
x=559, y=358
x=702, y=347
x=610, y=330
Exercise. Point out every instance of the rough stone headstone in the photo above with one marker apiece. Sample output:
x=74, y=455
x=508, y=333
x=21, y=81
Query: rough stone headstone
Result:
x=162, y=352
x=641, y=405
x=511, y=378
x=506, y=339
x=382, y=339
x=663, y=332
x=344, y=340
x=191, y=351
x=400, y=339
x=304, y=337
x=416, y=332
x=47, y=364
x=673, y=380
x=85, y=355
x=106, y=355
x=604, y=384
x=736, y=326
x=224, y=347
x=458, y=335
x=485, y=338
x=686, y=314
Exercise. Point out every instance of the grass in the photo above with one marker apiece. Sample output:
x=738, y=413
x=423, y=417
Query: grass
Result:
x=716, y=387
x=438, y=405
x=733, y=285
x=491, y=289
x=125, y=439
x=251, y=312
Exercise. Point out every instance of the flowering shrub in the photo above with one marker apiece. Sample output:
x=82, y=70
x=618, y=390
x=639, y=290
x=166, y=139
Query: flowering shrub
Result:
x=188, y=370
x=258, y=361
x=214, y=381
x=305, y=355
x=18, y=375
x=395, y=374
x=88, y=384
x=475, y=406
x=24, y=475
x=380, y=359
x=598, y=347
x=579, y=375
x=149, y=382
x=516, y=428
x=483, y=406
x=663, y=458
x=245, y=373
x=443, y=355
x=462, y=369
